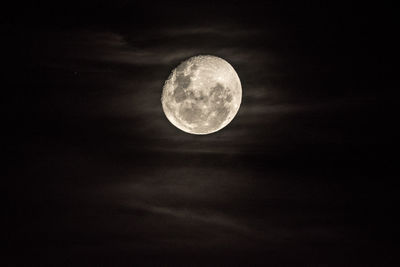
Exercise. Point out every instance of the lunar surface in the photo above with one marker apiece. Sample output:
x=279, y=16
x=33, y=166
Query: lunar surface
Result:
x=202, y=95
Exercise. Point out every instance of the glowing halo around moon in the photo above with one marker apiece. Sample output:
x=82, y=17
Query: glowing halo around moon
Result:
x=202, y=95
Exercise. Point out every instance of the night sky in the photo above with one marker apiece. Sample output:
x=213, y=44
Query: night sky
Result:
x=97, y=176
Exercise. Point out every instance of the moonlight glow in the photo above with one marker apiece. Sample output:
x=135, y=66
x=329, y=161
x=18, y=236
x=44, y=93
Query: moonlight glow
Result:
x=202, y=95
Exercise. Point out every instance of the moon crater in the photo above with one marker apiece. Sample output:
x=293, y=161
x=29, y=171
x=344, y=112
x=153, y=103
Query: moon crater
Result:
x=202, y=95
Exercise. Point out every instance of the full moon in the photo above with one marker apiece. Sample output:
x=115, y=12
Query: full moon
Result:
x=202, y=95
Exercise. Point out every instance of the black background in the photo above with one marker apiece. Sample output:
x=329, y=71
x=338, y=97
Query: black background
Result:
x=95, y=174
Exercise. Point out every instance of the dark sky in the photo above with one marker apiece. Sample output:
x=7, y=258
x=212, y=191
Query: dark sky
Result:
x=96, y=174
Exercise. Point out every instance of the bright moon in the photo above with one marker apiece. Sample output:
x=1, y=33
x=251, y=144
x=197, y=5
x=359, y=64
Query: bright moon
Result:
x=202, y=95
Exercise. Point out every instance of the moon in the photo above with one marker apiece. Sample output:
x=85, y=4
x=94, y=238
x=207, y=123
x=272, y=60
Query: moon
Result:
x=202, y=95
